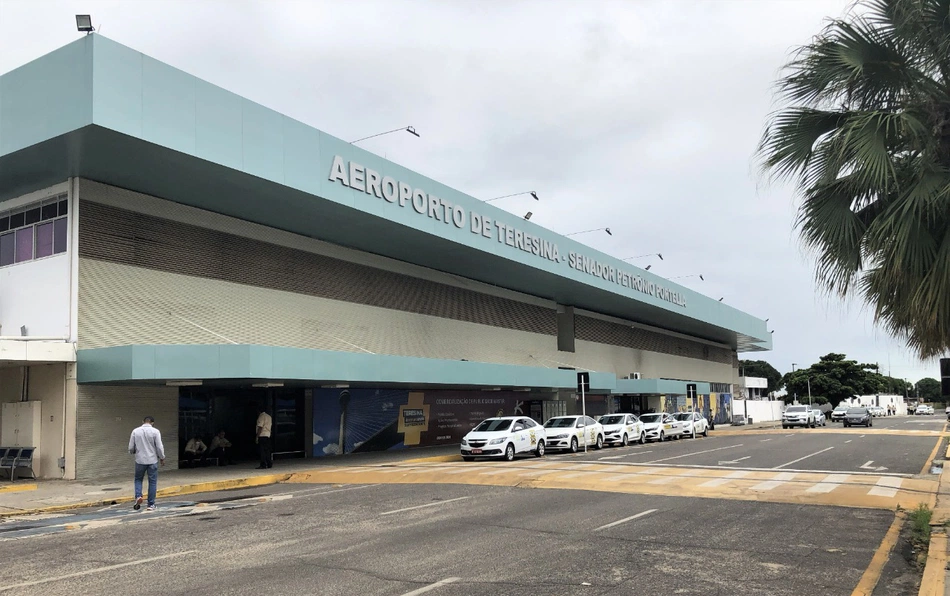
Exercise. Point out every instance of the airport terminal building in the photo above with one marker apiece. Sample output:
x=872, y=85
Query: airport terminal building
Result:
x=168, y=248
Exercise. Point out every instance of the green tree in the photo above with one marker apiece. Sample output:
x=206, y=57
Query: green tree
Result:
x=929, y=389
x=833, y=377
x=761, y=368
x=864, y=132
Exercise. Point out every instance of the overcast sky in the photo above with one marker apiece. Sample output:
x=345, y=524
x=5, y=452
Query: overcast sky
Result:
x=638, y=115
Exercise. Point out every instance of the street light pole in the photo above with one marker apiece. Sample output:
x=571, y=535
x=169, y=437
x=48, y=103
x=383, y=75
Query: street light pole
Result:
x=809, y=390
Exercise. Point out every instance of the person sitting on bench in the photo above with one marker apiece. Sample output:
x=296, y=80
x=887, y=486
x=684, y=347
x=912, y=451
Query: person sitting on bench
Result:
x=195, y=449
x=221, y=449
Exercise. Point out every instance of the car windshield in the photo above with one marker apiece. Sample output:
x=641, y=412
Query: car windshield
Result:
x=559, y=423
x=650, y=418
x=841, y=409
x=795, y=409
x=684, y=416
x=493, y=425
x=857, y=411
x=615, y=419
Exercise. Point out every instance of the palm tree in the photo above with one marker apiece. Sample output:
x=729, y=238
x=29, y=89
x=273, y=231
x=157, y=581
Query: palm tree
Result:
x=864, y=133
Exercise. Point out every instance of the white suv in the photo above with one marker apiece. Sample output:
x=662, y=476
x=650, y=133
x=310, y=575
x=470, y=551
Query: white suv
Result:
x=798, y=416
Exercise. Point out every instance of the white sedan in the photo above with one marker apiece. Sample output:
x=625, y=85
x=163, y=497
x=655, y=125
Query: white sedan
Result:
x=570, y=432
x=694, y=423
x=661, y=427
x=503, y=437
x=620, y=429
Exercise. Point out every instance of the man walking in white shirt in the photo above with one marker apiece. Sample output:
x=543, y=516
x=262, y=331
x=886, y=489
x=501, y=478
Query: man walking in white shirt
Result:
x=263, y=439
x=146, y=445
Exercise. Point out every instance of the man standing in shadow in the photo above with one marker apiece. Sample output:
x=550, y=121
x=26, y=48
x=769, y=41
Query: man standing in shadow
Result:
x=264, y=423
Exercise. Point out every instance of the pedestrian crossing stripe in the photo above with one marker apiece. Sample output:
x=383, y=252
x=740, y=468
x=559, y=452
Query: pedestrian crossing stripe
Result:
x=875, y=491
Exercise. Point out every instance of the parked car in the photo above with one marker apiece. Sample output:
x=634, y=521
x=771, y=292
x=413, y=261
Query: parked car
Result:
x=877, y=411
x=798, y=416
x=820, y=418
x=694, y=424
x=838, y=414
x=621, y=429
x=924, y=410
x=858, y=417
x=571, y=432
x=503, y=437
x=661, y=427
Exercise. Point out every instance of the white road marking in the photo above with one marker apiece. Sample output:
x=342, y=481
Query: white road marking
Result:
x=437, y=584
x=886, y=487
x=628, y=454
x=849, y=440
x=777, y=480
x=733, y=461
x=576, y=474
x=764, y=440
x=696, y=453
x=792, y=435
x=624, y=520
x=725, y=479
x=611, y=457
x=495, y=472
x=795, y=461
x=321, y=491
x=96, y=570
x=664, y=480
x=622, y=477
x=828, y=484
x=426, y=505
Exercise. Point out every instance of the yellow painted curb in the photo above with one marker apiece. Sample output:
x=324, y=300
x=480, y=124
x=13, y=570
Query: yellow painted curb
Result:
x=935, y=572
x=872, y=574
x=14, y=488
x=184, y=489
x=435, y=458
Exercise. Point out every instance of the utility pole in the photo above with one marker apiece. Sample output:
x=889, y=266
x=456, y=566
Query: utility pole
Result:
x=809, y=390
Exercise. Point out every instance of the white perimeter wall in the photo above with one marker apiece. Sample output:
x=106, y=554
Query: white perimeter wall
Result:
x=758, y=410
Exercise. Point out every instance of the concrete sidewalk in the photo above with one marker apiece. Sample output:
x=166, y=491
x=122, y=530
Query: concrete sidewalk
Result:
x=47, y=496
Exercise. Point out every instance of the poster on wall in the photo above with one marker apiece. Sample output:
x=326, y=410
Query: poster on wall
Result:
x=354, y=420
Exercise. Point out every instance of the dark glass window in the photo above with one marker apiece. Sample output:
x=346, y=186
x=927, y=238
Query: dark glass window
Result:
x=24, y=244
x=7, y=248
x=49, y=211
x=16, y=220
x=33, y=215
x=63, y=207
x=59, y=235
x=44, y=239
x=4, y=223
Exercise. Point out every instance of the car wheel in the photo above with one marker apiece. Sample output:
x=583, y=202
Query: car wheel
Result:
x=539, y=452
x=510, y=452
x=624, y=441
x=600, y=442
x=662, y=437
x=643, y=438
x=466, y=458
x=573, y=444
x=706, y=431
x=785, y=427
x=869, y=424
x=846, y=425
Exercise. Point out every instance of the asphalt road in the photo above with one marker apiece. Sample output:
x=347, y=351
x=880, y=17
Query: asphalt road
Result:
x=404, y=539
x=396, y=539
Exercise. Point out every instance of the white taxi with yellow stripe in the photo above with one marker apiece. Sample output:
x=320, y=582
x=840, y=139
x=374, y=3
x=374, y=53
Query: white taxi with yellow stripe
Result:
x=503, y=437
x=570, y=433
x=661, y=427
x=622, y=429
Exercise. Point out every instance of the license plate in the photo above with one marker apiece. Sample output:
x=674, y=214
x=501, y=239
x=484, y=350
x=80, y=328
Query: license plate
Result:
x=476, y=450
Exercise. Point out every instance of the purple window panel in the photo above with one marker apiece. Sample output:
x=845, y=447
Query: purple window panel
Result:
x=44, y=240
x=59, y=235
x=24, y=244
x=7, y=248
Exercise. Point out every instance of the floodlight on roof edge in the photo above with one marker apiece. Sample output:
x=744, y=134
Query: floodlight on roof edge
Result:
x=524, y=192
x=609, y=233
x=528, y=215
x=408, y=129
x=84, y=23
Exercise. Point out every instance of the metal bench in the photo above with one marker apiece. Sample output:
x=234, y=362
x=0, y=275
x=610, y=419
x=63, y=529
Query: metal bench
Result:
x=15, y=458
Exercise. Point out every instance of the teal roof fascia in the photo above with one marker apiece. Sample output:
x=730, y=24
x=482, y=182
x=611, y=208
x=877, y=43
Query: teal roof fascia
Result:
x=215, y=150
x=658, y=387
x=143, y=363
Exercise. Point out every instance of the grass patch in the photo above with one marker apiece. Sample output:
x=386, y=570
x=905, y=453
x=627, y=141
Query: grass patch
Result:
x=920, y=527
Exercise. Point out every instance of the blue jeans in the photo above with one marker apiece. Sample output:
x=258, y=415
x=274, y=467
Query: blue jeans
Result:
x=152, y=470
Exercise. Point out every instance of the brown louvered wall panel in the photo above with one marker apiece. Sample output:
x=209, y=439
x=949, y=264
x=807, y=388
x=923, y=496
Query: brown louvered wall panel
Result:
x=607, y=332
x=121, y=236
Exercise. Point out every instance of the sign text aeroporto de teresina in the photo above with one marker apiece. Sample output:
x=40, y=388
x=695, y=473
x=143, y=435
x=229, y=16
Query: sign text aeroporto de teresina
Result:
x=400, y=194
